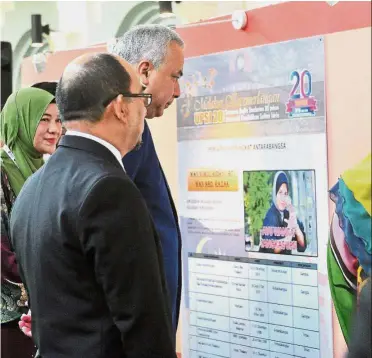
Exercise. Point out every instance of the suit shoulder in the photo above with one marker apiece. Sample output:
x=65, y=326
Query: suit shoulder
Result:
x=30, y=184
x=119, y=180
x=111, y=188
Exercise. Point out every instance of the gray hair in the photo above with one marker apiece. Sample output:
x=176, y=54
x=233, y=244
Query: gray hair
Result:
x=145, y=42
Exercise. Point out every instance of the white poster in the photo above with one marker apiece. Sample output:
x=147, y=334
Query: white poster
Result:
x=253, y=203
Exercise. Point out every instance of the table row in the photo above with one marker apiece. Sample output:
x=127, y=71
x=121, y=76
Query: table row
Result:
x=300, y=318
x=263, y=291
x=279, y=271
x=207, y=348
x=262, y=331
x=246, y=352
x=255, y=311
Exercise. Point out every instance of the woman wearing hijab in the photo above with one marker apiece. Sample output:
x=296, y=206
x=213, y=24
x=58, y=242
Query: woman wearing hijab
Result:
x=281, y=225
x=30, y=127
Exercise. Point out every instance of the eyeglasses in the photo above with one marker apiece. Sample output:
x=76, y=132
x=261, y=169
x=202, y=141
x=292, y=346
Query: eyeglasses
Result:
x=146, y=96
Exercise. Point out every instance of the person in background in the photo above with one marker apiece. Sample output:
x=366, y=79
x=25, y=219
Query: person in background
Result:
x=30, y=127
x=156, y=54
x=50, y=87
x=93, y=265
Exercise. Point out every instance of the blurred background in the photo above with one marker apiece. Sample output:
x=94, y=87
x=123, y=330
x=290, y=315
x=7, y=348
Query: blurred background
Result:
x=35, y=28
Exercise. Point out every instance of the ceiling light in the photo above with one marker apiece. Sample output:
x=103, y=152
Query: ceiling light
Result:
x=165, y=9
x=37, y=31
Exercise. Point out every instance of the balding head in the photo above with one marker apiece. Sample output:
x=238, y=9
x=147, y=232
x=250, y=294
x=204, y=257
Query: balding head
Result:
x=88, y=82
x=100, y=94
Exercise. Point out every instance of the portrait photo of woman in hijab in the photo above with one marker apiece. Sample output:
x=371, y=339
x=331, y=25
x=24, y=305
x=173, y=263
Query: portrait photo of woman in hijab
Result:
x=282, y=231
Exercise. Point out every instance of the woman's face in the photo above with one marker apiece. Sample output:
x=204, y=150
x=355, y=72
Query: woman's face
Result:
x=281, y=197
x=48, y=131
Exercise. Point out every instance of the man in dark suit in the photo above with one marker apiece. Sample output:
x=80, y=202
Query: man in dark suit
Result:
x=85, y=242
x=156, y=54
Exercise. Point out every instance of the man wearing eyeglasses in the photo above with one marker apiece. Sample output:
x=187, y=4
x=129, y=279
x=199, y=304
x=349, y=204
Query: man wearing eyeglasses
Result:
x=85, y=242
x=156, y=54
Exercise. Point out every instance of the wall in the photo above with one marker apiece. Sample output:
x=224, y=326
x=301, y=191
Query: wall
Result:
x=104, y=17
x=194, y=11
x=74, y=23
x=348, y=79
x=16, y=17
x=78, y=24
x=16, y=21
x=98, y=19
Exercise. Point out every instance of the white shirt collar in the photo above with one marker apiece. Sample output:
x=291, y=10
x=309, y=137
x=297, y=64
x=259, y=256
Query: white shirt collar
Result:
x=109, y=146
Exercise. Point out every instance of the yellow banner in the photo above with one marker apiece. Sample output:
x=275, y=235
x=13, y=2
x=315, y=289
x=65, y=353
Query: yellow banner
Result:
x=212, y=180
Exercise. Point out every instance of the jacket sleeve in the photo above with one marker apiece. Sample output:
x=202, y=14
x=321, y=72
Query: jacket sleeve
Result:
x=117, y=236
x=9, y=267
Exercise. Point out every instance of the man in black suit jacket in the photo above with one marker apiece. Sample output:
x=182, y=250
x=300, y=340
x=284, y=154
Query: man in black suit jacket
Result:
x=86, y=245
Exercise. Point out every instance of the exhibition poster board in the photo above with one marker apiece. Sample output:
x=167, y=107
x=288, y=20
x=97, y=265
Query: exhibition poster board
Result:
x=253, y=202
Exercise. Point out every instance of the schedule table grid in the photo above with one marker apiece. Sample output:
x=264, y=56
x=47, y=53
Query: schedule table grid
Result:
x=252, y=307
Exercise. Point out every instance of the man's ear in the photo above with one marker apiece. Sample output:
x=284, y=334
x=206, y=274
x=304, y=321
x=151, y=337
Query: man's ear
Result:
x=120, y=108
x=144, y=69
